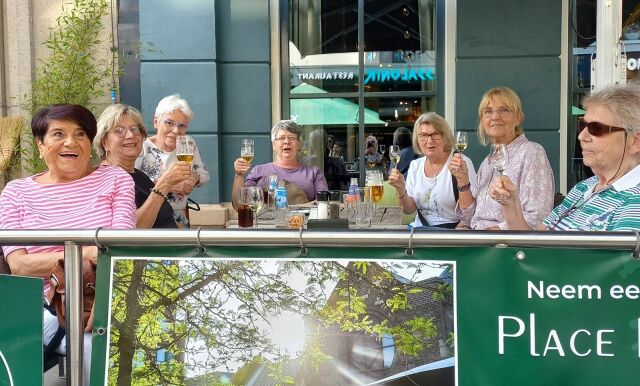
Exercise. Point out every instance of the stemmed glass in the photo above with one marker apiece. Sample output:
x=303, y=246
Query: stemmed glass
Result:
x=382, y=148
x=271, y=189
x=252, y=196
x=246, y=152
x=461, y=141
x=499, y=157
x=184, y=149
x=394, y=155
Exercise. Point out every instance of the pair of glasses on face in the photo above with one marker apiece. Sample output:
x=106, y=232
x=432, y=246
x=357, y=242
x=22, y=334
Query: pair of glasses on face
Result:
x=182, y=127
x=424, y=137
x=291, y=138
x=501, y=111
x=596, y=129
x=121, y=132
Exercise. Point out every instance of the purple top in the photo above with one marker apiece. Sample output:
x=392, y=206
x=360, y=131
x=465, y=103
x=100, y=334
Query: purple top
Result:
x=309, y=178
x=529, y=169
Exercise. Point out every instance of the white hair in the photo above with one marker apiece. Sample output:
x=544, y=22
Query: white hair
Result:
x=171, y=103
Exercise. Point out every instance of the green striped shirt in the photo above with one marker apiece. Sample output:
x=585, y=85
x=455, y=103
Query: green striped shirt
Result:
x=615, y=208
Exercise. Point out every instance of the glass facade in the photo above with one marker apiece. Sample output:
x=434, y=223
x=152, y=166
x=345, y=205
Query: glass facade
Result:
x=357, y=69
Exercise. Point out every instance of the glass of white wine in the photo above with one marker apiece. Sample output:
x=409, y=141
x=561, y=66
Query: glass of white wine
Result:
x=461, y=141
x=394, y=155
x=499, y=157
x=184, y=149
x=246, y=152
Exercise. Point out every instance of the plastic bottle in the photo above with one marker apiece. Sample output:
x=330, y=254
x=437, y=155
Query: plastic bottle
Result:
x=323, y=205
x=352, y=197
x=282, y=205
x=353, y=187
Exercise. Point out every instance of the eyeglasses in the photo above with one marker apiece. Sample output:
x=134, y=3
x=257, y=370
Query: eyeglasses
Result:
x=182, y=127
x=596, y=129
x=281, y=138
x=121, y=132
x=502, y=112
x=424, y=137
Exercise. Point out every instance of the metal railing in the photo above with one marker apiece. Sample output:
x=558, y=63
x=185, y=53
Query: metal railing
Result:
x=73, y=240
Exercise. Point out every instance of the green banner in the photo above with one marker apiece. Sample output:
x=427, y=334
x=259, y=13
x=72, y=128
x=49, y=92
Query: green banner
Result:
x=20, y=331
x=358, y=316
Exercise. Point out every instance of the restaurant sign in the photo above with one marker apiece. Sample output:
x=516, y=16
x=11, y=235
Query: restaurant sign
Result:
x=375, y=75
x=525, y=316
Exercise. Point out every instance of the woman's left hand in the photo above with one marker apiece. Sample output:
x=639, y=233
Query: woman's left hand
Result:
x=503, y=191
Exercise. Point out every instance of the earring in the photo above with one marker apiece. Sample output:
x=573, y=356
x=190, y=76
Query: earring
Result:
x=40, y=155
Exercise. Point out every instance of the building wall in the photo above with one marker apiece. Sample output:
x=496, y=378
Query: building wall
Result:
x=514, y=44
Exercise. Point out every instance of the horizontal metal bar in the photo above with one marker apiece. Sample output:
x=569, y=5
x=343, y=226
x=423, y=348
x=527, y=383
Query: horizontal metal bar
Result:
x=315, y=238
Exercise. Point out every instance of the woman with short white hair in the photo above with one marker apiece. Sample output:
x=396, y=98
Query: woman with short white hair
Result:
x=171, y=120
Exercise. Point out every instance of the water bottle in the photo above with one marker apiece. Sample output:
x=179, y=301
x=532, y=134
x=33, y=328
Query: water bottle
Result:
x=352, y=197
x=281, y=205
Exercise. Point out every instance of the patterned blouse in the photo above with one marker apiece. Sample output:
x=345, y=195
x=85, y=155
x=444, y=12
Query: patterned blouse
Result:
x=529, y=169
x=153, y=162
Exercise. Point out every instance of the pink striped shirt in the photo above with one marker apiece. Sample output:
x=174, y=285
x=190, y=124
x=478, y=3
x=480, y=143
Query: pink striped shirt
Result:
x=104, y=198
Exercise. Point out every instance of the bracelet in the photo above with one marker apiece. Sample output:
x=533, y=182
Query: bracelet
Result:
x=159, y=193
x=402, y=196
x=464, y=188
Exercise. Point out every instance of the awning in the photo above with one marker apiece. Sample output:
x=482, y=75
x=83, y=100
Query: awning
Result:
x=436, y=373
x=327, y=111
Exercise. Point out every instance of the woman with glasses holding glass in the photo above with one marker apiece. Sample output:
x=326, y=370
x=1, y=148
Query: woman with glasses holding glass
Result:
x=609, y=135
x=171, y=120
x=430, y=189
x=118, y=142
x=500, y=118
x=286, y=142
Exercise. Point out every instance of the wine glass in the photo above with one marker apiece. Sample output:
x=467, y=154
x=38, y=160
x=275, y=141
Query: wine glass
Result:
x=252, y=196
x=499, y=157
x=272, y=186
x=461, y=141
x=246, y=152
x=184, y=149
x=394, y=155
x=383, y=148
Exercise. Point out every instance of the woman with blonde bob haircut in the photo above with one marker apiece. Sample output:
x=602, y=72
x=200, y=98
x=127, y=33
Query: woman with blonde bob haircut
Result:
x=500, y=118
x=118, y=142
x=430, y=189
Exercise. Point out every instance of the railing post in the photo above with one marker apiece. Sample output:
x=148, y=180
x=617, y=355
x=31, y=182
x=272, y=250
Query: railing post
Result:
x=74, y=330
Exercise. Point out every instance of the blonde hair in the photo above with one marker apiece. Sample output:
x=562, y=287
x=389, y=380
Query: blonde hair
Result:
x=503, y=95
x=108, y=120
x=439, y=124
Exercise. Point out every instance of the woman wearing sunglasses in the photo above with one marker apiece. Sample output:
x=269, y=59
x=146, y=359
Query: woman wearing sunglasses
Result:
x=500, y=118
x=609, y=135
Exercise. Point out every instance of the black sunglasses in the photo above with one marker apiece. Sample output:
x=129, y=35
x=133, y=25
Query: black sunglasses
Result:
x=596, y=129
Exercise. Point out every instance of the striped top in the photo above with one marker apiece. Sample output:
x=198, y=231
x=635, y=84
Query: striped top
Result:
x=104, y=198
x=615, y=208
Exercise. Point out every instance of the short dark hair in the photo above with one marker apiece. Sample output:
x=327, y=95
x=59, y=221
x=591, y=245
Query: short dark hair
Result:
x=63, y=112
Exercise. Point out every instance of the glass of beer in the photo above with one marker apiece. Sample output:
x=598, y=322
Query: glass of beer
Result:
x=375, y=182
x=184, y=149
x=246, y=152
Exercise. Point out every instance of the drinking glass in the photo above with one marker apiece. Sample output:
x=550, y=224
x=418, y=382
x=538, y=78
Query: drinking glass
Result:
x=247, y=150
x=375, y=182
x=394, y=155
x=362, y=208
x=252, y=196
x=461, y=141
x=184, y=149
x=499, y=157
x=271, y=189
x=382, y=148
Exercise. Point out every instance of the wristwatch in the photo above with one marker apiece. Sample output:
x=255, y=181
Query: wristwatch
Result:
x=464, y=188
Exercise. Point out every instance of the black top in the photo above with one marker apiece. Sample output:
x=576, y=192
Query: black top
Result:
x=143, y=190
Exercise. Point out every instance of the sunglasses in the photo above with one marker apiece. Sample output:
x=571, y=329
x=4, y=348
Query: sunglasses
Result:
x=596, y=129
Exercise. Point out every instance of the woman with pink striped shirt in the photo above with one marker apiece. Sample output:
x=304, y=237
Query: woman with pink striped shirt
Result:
x=71, y=194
